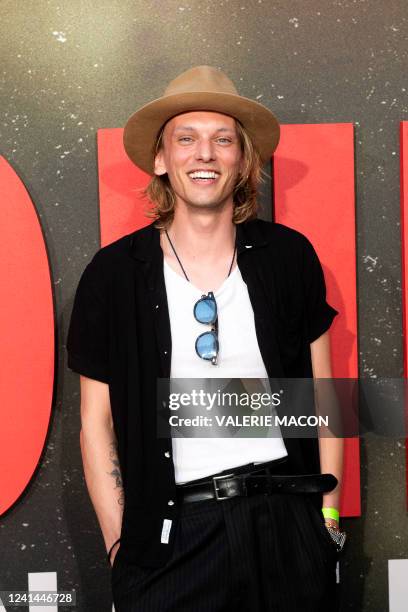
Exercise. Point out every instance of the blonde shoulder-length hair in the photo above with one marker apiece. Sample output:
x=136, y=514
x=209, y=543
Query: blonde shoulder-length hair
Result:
x=245, y=196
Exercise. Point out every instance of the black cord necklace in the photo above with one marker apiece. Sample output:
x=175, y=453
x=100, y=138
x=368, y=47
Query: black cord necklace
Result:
x=181, y=265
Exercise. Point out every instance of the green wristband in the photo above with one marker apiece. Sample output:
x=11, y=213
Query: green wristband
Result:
x=332, y=513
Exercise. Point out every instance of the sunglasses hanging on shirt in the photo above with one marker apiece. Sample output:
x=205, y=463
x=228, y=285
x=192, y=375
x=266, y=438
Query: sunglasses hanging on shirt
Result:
x=205, y=311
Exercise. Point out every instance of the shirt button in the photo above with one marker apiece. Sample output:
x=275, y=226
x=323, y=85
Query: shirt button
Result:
x=167, y=454
x=170, y=502
x=157, y=306
x=165, y=352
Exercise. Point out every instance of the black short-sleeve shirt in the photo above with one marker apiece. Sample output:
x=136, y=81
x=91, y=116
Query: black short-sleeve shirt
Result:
x=120, y=334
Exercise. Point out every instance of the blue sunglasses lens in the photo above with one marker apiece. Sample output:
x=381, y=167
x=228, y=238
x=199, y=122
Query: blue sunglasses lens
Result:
x=205, y=311
x=207, y=345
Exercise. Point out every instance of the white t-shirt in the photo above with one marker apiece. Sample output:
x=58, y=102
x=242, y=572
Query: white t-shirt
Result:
x=238, y=357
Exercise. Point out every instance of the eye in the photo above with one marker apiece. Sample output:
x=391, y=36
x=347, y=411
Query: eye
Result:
x=185, y=139
x=224, y=140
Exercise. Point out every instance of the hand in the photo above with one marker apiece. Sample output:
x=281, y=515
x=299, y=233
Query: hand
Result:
x=338, y=537
x=329, y=522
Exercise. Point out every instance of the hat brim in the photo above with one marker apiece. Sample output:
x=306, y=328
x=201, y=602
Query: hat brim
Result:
x=142, y=128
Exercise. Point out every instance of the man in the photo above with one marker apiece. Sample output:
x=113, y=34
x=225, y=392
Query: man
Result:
x=200, y=523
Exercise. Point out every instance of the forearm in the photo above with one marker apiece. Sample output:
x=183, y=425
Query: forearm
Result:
x=331, y=462
x=103, y=478
x=331, y=444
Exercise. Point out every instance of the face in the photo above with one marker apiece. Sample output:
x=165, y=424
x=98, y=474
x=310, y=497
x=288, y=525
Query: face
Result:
x=201, y=155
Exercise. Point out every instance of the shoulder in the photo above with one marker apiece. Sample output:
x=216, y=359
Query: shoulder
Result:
x=279, y=236
x=107, y=264
x=118, y=255
x=112, y=253
x=286, y=252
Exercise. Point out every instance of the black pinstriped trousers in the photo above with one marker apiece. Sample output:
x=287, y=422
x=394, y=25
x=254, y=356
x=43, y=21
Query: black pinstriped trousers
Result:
x=244, y=554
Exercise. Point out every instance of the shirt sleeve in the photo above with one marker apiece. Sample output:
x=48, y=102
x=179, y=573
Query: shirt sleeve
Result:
x=87, y=339
x=319, y=313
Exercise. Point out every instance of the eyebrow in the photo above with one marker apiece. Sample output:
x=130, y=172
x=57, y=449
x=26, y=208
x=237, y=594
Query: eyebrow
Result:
x=185, y=128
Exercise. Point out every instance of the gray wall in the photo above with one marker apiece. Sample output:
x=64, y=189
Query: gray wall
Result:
x=69, y=68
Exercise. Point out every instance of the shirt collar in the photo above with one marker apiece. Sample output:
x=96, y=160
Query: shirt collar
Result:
x=252, y=234
x=144, y=243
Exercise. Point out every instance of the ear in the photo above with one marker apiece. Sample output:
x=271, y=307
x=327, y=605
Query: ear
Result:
x=159, y=164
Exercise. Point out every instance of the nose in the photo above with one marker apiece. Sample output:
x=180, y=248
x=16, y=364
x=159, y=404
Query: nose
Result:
x=205, y=150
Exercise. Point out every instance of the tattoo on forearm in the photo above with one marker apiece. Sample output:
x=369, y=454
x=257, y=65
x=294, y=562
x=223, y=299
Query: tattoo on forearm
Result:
x=115, y=473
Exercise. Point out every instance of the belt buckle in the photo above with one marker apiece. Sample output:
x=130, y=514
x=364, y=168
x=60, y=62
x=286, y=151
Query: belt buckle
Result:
x=215, y=478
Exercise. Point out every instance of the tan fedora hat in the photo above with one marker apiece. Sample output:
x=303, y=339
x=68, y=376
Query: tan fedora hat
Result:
x=200, y=88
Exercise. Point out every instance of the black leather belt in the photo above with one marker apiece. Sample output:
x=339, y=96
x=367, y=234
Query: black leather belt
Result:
x=265, y=480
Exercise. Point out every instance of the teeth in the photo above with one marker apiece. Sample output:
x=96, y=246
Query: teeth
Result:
x=203, y=175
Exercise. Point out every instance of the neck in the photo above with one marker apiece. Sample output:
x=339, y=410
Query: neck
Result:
x=205, y=238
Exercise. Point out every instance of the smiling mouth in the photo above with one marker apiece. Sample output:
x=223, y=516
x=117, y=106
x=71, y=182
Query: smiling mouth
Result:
x=204, y=177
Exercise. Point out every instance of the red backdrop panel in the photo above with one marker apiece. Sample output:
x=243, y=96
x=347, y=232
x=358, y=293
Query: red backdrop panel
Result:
x=121, y=183
x=314, y=193
x=27, y=338
x=404, y=247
